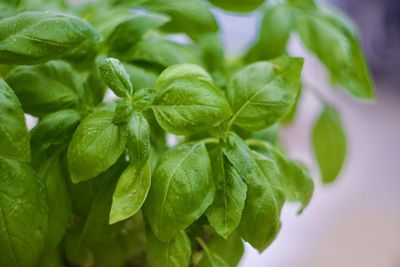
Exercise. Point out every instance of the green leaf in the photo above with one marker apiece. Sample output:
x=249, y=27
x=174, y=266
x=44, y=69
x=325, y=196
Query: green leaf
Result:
x=116, y=77
x=59, y=202
x=260, y=222
x=23, y=215
x=329, y=144
x=214, y=259
x=54, y=129
x=35, y=37
x=238, y=153
x=187, y=102
x=162, y=52
x=263, y=93
x=123, y=111
x=274, y=33
x=238, y=5
x=141, y=77
x=231, y=250
x=173, y=253
x=336, y=44
x=190, y=16
x=131, y=30
x=96, y=145
x=225, y=212
x=297, y=183
x=14, y=136
x=181, y=190
x=138, y=140
x=131, y=192
x=31, y=84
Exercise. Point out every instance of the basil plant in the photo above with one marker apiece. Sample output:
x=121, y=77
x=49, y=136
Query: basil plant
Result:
x=185, y=164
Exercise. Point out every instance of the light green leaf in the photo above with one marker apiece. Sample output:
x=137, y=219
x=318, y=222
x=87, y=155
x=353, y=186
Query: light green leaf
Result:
x=181, y=190
x=96, y=145
x=263, y=93
x=188, y=102
x=141, y=77
x=297, y=183
x=190, y=16
x=230, y=249
x=123, y=111
x=14, y=136
x=23, y=215
x=329, y=144
x=336, y=44
x=238, y=153
x=116, y=77
x=214, y=259
x=138, y=140
x=225, y=212
x=260, y=222
x=173, y=253
x=274, y=33
x=35, y=37
x=131, y=192
x=131, y=30
x=45, y=88
x=238, y=5
x=162, y=52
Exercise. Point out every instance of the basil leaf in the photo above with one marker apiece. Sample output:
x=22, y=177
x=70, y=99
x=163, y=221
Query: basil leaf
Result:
x=238, y=5
x=213, y=259
x=188, y=103
x=59, y=203
x=230, y=250
x=260, y=222
x=274, y=33
x=162, y=52
x=238, y=153
x=14, y=136
x=94, y=88
x=116, y=77
x=131, y=30
x=141, y=77
x=190, y=16
x=225, y=212
x=138, y=140
x=329, y=144
x=131, y=192
x=263, y=93
x=336, y=45
x=297, y=183
x=23, y=215
x=35, y=37
x=31, y=84
x=54, y=129
x=173, y=253
x=96, y=145
x=181, y=190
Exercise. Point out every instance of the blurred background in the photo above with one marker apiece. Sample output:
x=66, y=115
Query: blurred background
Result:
x=356, y=221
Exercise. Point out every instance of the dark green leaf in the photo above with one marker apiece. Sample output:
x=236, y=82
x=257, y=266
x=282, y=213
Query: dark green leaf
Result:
x=187, y=102
x=131, y=30
x=131, y=192
x=23, y=215
x=181, y=190
x=260, y=222
x=138, y=140
x=214, y=260
x=329, y=144
x=238, y=5
x=190, y=16
x=225, y=212
x=45, y=88
x=274, y=33
x=263, y=93
x=34, y=37
x=96, y=145
x=173, y=253
x=14, y=136
x=116, y=77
